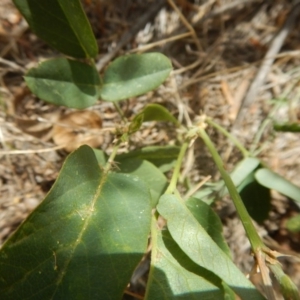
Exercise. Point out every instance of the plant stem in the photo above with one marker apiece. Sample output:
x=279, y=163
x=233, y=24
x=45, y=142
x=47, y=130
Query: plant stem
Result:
x=112, y=156
x=176, y=173
x=288, y=288
x=119, y=110
x=255, y=240
x=262, y=128
x=235, y=141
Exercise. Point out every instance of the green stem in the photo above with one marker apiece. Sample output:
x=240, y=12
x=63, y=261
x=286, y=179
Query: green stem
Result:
x=111, y=158
x=288, y=288
x=255, y=240
x=176, y=173
x=258, y=136
x=119, y=110
x=265, y=123
x=235, y=141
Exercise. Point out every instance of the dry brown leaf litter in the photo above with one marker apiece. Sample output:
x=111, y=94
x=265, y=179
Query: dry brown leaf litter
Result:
x=211, y=75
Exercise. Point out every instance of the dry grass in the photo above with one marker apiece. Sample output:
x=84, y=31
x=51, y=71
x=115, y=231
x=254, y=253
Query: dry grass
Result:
x=216, y=48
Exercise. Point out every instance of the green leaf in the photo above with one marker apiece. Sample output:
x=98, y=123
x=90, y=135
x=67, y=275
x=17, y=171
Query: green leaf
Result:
x=162, y=157
x=274, y=181
x=209, y=220
x=228, y=292
x=288, y=288
x=134, y=75
x=62, y=24
x=293, y=224
x=100, y=156
x=156, y=112
x=146, y=171
x=256, y=198
x=174, y=276
x=240, y=173
x=83, y=241
x=207, y=194
x=288, y=127
x=65, y=82
x=244, y=169
x=210, y=193
x=195, y=242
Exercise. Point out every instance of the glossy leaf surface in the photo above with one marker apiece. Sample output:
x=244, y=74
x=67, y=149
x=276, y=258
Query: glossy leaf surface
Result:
x=195, y=242
x=133, y=75
x=62, y=24
x=83, y=241
x=65, y=82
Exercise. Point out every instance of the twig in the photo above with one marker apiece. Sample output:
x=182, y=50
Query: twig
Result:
x=159, y=43
x=228, y=71
x=127, y=36
x=267, y=62
x=33, y=151
x=225, y=8
x=196, y=187
x=12, y=65
x=186, y=24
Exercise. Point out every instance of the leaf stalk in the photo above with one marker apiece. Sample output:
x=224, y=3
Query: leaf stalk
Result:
x=176, y=173
x=235, y=141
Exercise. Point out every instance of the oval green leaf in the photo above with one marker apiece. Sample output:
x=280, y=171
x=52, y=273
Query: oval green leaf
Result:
x=147, y=172
x=62, y=24
x=195, y=242
x=209, y=220
x=163, y=157
x=274, y=181
x=244, y=169
x=83, y=241
x=134, y=75
x=173, y=275
x=65, y=82
x=156, y=112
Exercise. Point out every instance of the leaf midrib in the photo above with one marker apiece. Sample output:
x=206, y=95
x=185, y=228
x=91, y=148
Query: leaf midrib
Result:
x=78, y=239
